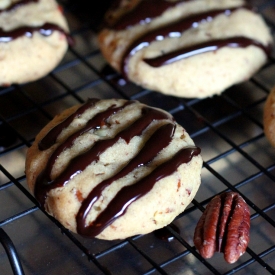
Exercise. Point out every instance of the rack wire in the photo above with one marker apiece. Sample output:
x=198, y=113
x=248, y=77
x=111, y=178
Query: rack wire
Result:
x=228, y=128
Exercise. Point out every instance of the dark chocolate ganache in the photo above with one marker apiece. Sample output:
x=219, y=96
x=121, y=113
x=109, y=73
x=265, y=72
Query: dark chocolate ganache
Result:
x=46, y=29
x=174, y=30
x=127, y=194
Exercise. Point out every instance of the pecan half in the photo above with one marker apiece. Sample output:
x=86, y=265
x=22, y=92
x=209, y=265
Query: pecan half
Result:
x=224, y=227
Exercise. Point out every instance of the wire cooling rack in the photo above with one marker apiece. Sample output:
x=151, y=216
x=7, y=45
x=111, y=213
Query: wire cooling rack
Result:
x=228, y=128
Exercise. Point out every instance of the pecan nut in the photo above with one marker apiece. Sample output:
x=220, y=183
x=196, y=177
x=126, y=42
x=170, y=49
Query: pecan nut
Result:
x=224, y=227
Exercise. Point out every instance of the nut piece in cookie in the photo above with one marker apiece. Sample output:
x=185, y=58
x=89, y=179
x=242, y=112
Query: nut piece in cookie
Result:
x=113, y=168
x=269, y=117
x=194, y=48
x=33, y=39
x=224, y=227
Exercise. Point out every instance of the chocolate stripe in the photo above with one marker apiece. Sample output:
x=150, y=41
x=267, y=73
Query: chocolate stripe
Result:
x=50, y=138
x=209, y=46
x=128, y=194
x=96, y=122
x=150, y=150
x=174, y=29
x=17, y=5
x=144, y=12
x=79, y=163
x=46, y=30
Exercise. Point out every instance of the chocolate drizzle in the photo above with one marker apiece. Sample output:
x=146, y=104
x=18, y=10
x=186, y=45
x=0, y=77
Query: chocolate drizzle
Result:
x=79, y=163
x=209, y=46
x=17, y=5
x=96, y=122
x=172, y=30
x=46, y=30
x=48, y=140
x=144, y=12
x=144, y=157
x=127, y=194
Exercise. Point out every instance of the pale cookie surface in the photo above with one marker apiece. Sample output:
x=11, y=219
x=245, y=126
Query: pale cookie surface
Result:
x=113, y=168
x=194, y=48
x=33, y=39
x=269, y=117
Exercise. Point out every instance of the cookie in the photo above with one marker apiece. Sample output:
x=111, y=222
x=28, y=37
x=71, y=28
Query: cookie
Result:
x=269, y=117
x=33, y=39
x=191, y=48
x=113, y=168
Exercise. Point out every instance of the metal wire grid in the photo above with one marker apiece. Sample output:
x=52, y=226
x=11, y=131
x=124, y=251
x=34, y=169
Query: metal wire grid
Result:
x=228, y=128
